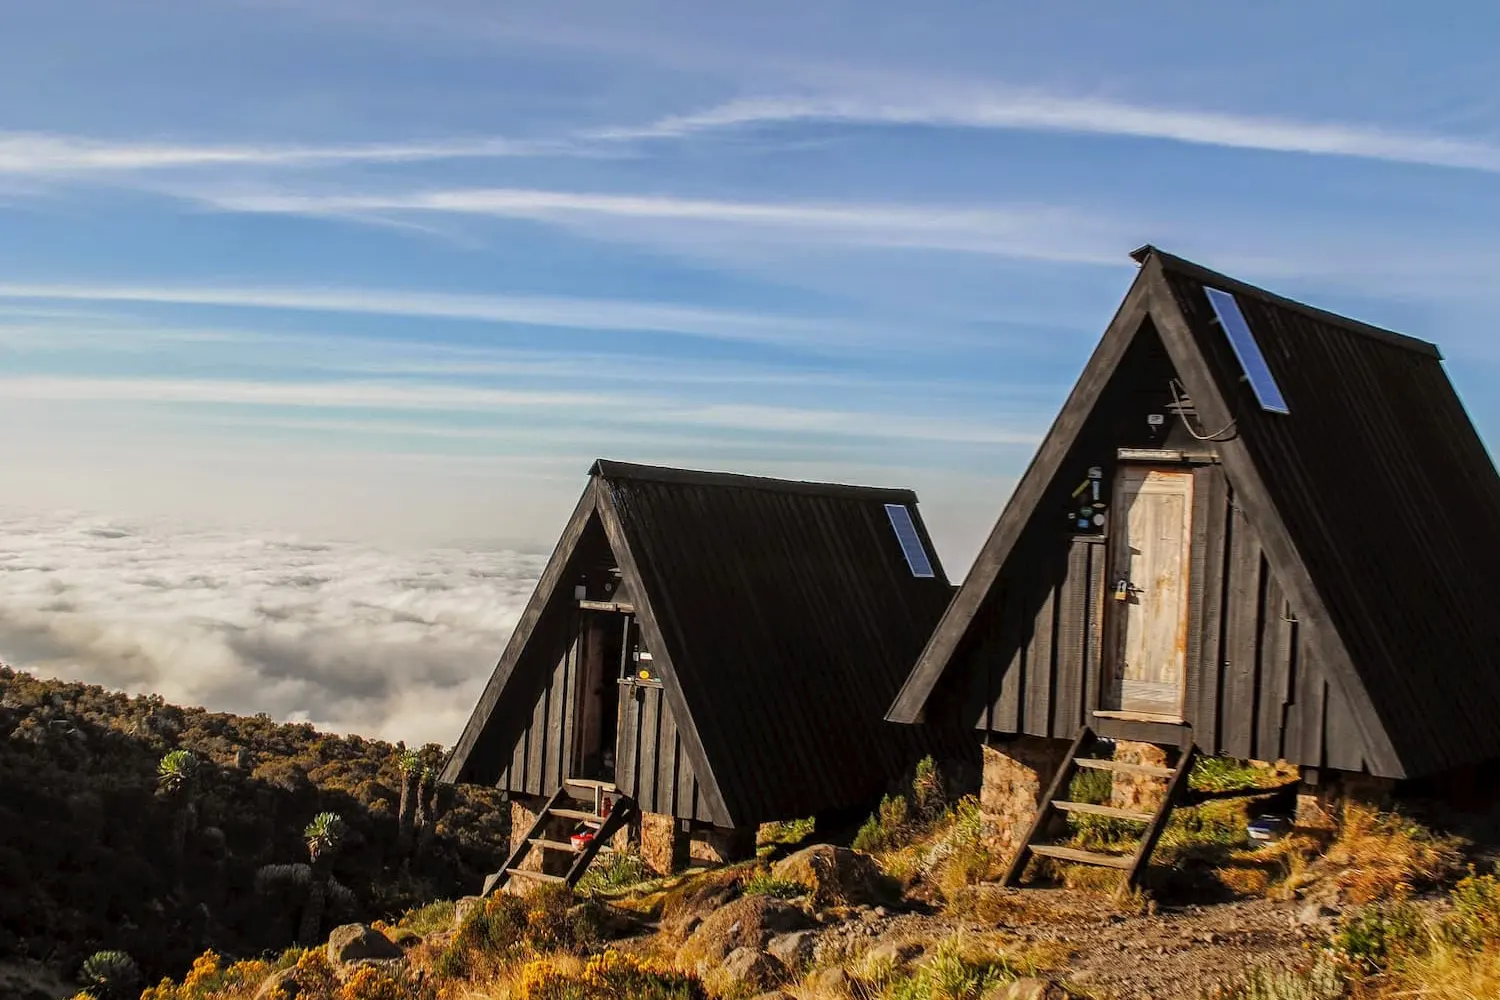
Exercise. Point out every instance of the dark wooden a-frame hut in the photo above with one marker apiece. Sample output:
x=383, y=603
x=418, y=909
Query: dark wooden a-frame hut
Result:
x=720, y=649
x=1255, y=528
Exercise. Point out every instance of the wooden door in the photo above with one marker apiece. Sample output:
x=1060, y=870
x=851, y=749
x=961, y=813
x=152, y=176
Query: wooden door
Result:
x=1150, y=550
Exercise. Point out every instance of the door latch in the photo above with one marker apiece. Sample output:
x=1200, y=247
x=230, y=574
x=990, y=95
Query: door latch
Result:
x=1124, y=589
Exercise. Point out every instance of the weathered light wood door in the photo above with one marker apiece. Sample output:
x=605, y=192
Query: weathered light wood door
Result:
x=1150, y=552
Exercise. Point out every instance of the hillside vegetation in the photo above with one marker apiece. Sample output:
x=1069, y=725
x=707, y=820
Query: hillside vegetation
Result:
x=131, y=825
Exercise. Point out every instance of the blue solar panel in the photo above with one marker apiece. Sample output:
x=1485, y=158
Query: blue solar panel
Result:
x=1227, y=308
x=911, y=542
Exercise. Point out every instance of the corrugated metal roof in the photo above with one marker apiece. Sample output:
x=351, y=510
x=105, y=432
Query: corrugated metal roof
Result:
x=784, y=617
x=1376, y=498
x=1392, y=502
x=791, y=617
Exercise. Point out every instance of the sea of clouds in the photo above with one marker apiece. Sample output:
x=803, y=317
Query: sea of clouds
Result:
x=349, y=636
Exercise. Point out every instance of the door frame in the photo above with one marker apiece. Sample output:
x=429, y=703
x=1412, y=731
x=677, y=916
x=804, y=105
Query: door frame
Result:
x=1110, y=702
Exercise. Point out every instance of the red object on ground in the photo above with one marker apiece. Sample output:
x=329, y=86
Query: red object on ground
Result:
x=580, y=839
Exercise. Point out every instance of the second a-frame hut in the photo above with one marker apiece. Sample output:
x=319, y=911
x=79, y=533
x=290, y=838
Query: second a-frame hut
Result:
x=716, y=651
x=1255, y=529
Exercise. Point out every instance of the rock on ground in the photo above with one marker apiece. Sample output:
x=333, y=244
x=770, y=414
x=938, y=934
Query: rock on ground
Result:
x=749, y=922
x=794, y=950
x=752, y=969
x=838, y=875
x=359, y=942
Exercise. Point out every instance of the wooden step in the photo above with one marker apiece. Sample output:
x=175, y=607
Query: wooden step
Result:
x=608, y=786
x=553, y=845
x=1082, y=857
x=1110, y=811
x=583, y=816
x=1122, y=767
x=539, y=876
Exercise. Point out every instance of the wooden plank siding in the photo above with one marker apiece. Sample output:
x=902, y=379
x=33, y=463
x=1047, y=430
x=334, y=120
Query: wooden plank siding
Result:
x=543, y=750
x=652, y=768
x=1254, y=689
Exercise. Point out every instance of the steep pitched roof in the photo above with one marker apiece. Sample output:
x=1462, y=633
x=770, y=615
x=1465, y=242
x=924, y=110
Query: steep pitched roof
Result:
x=782, y=617
x=1375, y=500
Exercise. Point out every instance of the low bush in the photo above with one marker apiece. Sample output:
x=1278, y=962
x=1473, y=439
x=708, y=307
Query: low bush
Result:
x=1383, y=855
x=1324, y=978
x=958, y=969
x=509, y=927
x=613, y=871
x=889, y=828
x=763, y=883
x=610, y=975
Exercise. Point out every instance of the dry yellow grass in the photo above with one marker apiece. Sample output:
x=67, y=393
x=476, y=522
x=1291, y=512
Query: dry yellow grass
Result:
x=1379, y=855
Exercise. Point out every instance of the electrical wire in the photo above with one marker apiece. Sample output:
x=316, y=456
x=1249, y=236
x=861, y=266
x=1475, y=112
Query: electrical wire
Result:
x=1172, y=384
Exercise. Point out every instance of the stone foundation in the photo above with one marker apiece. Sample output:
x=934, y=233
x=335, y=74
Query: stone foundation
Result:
x=523, y=813
x=718, y=846
x=1016, y=774
x=663, y=844
x=1138, y=792
x=1322, y=795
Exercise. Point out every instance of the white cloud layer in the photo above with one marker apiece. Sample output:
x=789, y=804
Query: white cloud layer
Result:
x=990, y=108
x=630, y=316
x=347, y=636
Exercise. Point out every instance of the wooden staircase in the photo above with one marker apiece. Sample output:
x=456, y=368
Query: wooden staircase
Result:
x=594, y=807
x=1053, y=808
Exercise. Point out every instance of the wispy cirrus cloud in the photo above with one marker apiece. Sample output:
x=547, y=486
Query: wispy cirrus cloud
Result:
x=1034, y=231
x=630, y=316
x=43, y=153
x=1025, y=110
x=622, y=409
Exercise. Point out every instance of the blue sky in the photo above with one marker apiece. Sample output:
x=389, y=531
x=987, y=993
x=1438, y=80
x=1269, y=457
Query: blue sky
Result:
x=396, y=269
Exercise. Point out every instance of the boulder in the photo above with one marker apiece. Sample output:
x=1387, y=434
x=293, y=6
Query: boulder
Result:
x=360, y=943
x=279, y=986
x=750, y=969
x=748, y=922
x=833, y=981
x=893, y=955
x=794, y=950
x=837, y=875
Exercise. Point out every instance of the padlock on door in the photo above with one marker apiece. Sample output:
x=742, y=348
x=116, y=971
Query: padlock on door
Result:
x=1124, y=589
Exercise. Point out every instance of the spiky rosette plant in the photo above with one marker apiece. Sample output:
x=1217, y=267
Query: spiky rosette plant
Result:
x=324, y=835
x=177, y=772
x=110, y=975
x=411, y=766
x=177, y=780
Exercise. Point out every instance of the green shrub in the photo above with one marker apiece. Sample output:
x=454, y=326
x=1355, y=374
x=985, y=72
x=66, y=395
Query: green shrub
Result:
x=427, y=919
x=888, y=828
x=763, y=883
x=507, y=927
x=1223, y=774
x=1475, y=919
x=110, y=975
x=927, y=793
x=1372, y=937
x=1324, y=979
x=952, y=972
x=792, y=831
x=615, y=870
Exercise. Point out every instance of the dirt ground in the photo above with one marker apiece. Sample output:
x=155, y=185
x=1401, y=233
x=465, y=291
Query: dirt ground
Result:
x=1175, y=952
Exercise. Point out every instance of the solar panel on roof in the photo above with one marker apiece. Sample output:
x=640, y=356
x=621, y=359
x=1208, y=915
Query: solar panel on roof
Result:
x=1227, y=308
x=911, y=542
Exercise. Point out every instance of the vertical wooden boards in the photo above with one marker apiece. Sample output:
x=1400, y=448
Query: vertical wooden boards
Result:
x=664, y=788
x=1207, y=658
x=1342, y=738
x=1275, y=668
x=1072, y=632
x=649, y=744
x=1093, y=662
x=1010, y=650
x=1241, y=634
x=1039, y=668
x=627, y=736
